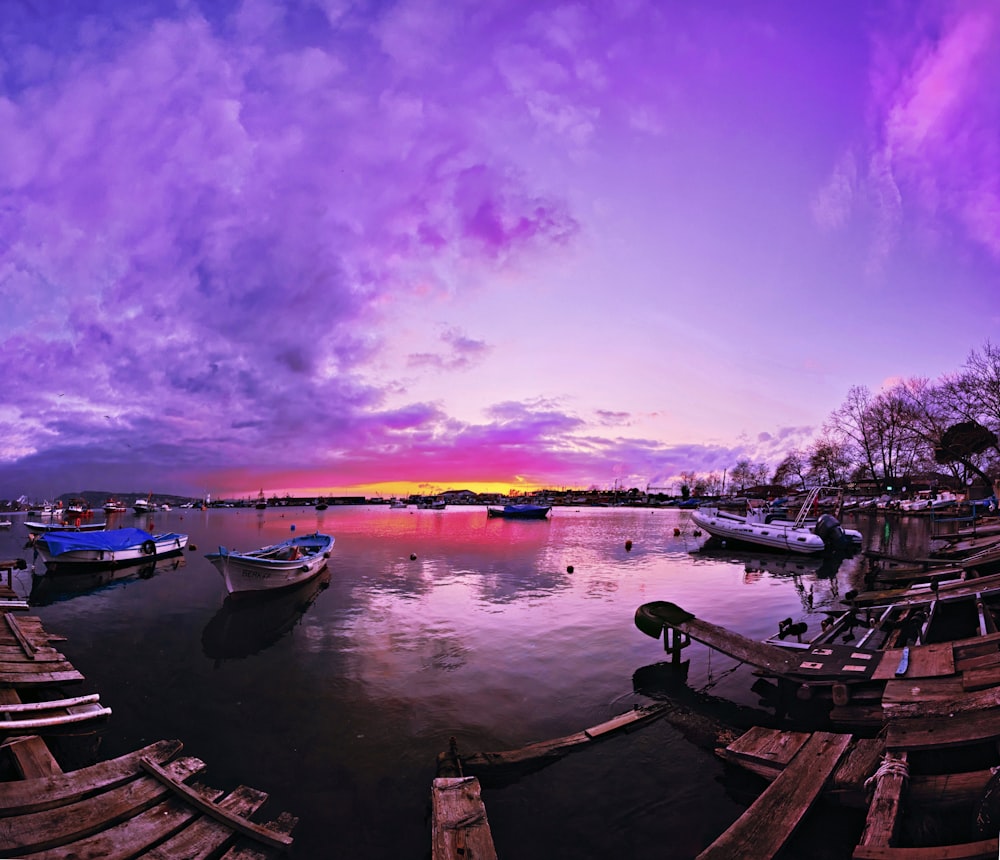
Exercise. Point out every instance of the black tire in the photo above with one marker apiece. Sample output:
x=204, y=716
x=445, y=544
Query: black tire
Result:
x=148, y=547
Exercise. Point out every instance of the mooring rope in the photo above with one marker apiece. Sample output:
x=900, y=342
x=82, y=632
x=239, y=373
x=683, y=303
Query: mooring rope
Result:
x=889, y=767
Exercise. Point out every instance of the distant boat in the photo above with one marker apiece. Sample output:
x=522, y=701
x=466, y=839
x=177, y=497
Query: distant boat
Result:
x=435, y=505
x=520, y=512
x=397, y=503
x=272, y=567
x=261, y=502
x=76, y=551
x=37, y=528
x=321, y=505
x=5, y=524
x=143, y=506
x=113, y=506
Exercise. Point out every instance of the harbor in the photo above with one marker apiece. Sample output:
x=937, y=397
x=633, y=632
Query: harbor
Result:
x=433, y=627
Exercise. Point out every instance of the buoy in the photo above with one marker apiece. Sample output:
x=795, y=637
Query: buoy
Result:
x=677, y=532
x=191, y=547
x=628, y=546
x=413, y=556
x=569, y=568
x=293, y=526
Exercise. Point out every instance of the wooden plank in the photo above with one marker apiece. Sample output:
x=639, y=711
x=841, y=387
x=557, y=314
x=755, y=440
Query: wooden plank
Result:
x=922, y=690
x=246, y=828
x=926, y=661
x=132, y=837
x=247, y=850
x=764, y=828
x=19, y=635
x=766, y=745
x=967, y=702
x=459, y=828
x=205, y=837
x=943, y=731
x=980, y=679
x=41, y=831
x=885, y=810
x=32, y=757
x=35, y=795
x=986, y=849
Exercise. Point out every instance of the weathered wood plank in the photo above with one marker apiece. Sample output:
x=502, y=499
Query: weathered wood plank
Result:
x=922, y=690
x=247, y=850
x=885, y=810
x=459, y=828
x=132, y=837
x=35, y=795
x=32, y=757
x=767, y=745
x=19, y=635
x=986, y=849
x=205, y=837
x=926, y=661
x=763, y=829
x=40, y=831
x=240, y=825
x=941, y=732
x=982, y=678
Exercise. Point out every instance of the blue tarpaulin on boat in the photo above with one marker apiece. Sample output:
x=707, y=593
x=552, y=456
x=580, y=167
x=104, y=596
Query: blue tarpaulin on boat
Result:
x=113, y=541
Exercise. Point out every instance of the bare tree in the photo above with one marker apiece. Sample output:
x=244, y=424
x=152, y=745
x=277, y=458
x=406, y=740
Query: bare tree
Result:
x=793, y=466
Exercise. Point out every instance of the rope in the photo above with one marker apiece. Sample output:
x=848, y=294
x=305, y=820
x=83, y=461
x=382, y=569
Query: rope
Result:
x=889, y=767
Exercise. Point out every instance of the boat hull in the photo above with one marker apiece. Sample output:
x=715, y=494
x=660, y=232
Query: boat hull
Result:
x=775, y=536
x=83, y=558
x=265, y=570
x=520, y=512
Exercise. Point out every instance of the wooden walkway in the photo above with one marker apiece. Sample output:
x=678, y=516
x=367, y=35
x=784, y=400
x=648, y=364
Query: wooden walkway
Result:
x=136, y=805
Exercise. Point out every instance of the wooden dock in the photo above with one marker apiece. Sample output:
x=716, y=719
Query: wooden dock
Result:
x=136, y=805
x=764, y=828
x=460, y=829
x=140, y=804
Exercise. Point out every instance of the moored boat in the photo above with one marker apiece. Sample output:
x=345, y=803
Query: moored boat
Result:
x=802, y=535
x=77, y=551
x=36, y=528
x=273, y=567
x=520, y=512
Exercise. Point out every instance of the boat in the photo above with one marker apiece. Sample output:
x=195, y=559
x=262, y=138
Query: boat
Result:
x=77, y=507
x=520, y=512
x=113, y=506
x=76, y=551
x=432, y=505
x=801, y=535
x=272, y=567
x=321, y=505
x=143, y=506
x=916, y=662
x=397, y=504
x=36, y=528
x=5, y=524
x=261, y=501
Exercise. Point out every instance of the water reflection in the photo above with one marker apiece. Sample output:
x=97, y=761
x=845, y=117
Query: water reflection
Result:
x=249, y=624
x=47, y=587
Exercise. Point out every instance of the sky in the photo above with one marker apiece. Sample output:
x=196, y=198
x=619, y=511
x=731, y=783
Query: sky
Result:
x=322, y=246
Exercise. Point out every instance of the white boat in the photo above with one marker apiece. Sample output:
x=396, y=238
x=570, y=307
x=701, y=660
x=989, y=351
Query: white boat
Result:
x=5, y=524
x=272, y=567
x=36, y=528
x=397, y=503
x=929, y=500
x=77, y=551
x=801, y=535
x=113, y=506
x=432, y=505
x=143, y=506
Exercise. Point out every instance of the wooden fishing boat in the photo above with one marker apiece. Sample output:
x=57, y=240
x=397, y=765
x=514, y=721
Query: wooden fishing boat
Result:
x=281, y=565
x=74, y=551
x=915, y=811
x=918, y=687
x=520, y=512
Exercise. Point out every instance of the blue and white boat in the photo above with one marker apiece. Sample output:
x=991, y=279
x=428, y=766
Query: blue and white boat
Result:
x=273, y=567
x=77, y=551
x=520, y=512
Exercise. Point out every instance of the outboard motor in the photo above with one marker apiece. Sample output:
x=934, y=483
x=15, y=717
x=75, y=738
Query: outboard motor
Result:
x=828, y=528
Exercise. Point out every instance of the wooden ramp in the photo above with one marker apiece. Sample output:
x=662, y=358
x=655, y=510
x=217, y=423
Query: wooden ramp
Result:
x=460, y=830
x=763, y=829
x=139, y=804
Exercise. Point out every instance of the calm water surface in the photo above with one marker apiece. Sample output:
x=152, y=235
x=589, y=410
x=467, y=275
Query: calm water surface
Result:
x=337, y=700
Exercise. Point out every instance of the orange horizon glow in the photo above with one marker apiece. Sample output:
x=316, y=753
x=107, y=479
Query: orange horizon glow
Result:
x=389, y=489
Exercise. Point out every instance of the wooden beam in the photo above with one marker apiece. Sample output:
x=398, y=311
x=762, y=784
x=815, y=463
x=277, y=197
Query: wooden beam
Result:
x=885, y=810
x=766, y=826
x=459, y=828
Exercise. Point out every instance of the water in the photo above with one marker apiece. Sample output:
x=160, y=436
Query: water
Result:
x=337, y=700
